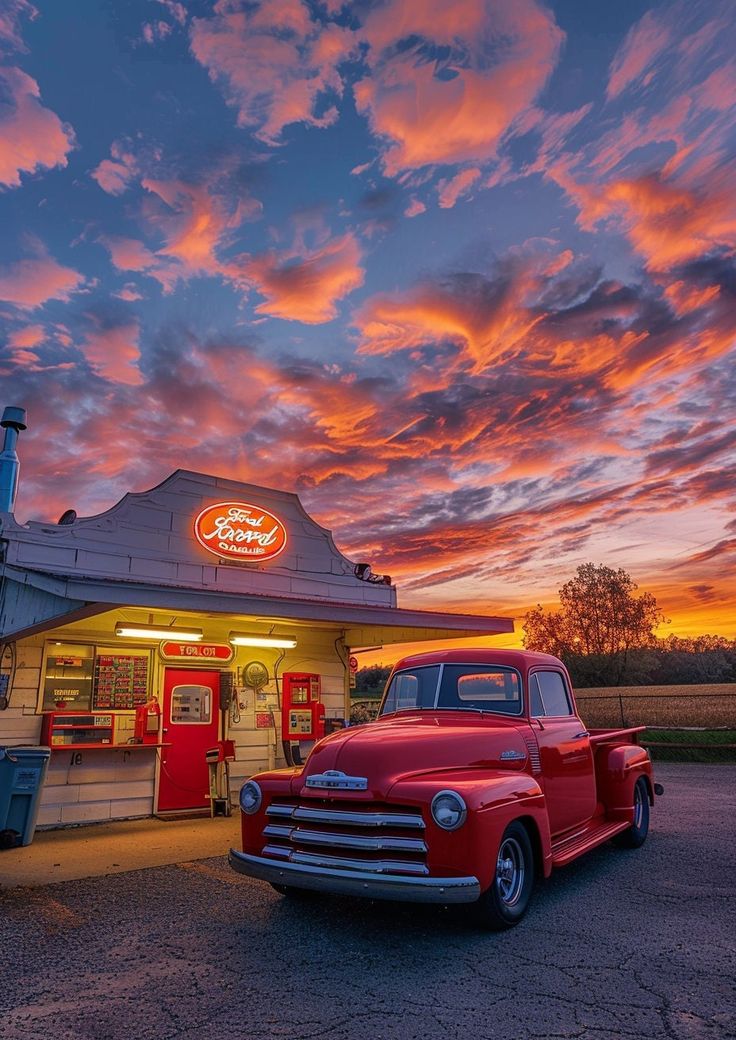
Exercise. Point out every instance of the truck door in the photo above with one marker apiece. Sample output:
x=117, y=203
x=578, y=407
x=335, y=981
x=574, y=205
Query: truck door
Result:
x=565, y=753
x=191, y=725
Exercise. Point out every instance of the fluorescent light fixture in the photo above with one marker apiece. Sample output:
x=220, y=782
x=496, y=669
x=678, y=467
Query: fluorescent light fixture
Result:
x=243, y=639
x=133, y=630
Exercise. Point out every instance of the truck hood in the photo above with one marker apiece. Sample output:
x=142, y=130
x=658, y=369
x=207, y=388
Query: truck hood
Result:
x=406, y=746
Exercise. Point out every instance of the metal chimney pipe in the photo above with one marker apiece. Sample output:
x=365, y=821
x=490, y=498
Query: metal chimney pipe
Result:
x=13, y=421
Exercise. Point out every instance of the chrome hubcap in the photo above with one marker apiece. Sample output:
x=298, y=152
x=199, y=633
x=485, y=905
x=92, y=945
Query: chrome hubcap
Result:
x=638, y=807
x=510, y=871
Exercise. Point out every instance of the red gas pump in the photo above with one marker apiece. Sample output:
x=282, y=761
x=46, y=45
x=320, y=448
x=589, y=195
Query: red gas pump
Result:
x=303, y=713
x=148, y=721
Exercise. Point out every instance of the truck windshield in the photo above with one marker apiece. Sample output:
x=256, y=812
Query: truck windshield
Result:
x=470, y=687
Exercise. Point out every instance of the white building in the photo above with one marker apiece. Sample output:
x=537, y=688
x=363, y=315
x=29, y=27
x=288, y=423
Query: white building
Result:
x=102, y=614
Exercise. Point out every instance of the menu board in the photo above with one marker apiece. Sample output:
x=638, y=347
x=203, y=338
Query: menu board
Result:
x=121, y=681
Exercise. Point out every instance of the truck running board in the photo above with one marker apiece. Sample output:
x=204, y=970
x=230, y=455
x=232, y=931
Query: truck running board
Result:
x=598, y=831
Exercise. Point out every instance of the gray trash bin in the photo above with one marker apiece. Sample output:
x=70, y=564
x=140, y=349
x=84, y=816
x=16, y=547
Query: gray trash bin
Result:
x=22, y=773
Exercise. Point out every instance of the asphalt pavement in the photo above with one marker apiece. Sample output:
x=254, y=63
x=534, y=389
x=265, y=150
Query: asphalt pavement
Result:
x=629, y=944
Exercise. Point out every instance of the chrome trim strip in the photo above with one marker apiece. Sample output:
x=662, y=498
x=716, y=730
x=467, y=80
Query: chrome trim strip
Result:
x=343, y=817
x=277, y=830
x=280, y=810
x=358, y=882
x=368, y=866
x=303, y=836
x=278, y=850
x=439, y=686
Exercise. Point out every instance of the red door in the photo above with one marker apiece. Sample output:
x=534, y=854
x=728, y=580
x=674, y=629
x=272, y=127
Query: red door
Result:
x=191, y=725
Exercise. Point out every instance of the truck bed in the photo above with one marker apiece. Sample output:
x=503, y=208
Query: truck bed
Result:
x=603, y=736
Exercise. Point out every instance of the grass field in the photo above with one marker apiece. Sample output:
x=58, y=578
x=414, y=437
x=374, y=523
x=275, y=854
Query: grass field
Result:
x=706, y=705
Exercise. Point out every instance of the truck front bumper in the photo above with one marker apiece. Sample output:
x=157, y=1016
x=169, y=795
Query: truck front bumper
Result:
x=357, y=882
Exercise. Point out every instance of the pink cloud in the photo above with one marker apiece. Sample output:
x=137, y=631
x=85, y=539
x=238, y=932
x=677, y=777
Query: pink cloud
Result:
x=276, y=65
x=129, y=293
x=128, y=254
x=450, y=190
x=177, y=10
x=114, y=175
x=307, y=286
x=30, y=283
x=11, y=13
x=414, y=208
x=32, y=137
x=28, y=336
x=113, y=352
x=501, y=56
x=644, y=43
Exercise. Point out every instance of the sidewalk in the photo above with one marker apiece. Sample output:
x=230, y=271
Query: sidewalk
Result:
x=115, y=848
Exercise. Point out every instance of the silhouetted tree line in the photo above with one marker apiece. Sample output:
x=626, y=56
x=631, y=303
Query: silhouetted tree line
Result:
x=671, y=661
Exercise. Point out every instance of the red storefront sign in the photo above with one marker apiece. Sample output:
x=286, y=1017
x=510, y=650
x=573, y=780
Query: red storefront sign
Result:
x=173, y=651
x=239, y=530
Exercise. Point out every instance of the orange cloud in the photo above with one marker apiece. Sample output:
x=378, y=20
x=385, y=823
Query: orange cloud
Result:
x=30, y=283
x=450, y=190
x=306, y=287
x=668, y=222
x=275, y=63
x=458, y=108
x=194, y=224
x=482, y=327
x=32, y=137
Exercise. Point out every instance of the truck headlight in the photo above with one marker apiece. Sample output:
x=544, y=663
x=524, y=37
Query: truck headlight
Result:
x=250, y=797
x=449, y=811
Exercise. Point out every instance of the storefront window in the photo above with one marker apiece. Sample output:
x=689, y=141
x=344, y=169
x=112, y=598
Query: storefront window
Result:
x=68, y=679
x=80, y=677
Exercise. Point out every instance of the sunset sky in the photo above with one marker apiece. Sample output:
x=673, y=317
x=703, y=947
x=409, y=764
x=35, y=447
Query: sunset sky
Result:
x=461, y=274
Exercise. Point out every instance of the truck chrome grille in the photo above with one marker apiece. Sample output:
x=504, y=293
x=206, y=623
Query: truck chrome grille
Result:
x=364, y=836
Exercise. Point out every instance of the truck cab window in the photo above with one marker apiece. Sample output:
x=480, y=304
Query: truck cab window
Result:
x=414, y=688
x=548, y=694
x=485, y=688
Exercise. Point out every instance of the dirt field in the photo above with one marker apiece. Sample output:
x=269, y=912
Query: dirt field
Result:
x=709, y=704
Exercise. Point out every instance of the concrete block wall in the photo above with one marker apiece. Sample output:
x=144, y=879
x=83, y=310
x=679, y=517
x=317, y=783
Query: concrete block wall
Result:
x=93, y=785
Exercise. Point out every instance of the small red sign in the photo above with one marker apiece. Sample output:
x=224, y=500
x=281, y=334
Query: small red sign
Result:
x=173, y=651
x=353, y=662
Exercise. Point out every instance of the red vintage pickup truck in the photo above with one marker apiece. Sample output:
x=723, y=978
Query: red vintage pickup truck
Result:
x=477, y=777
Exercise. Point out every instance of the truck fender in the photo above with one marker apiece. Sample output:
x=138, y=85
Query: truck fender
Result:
x=494, y=800
x=505, y=802
x=617, y=770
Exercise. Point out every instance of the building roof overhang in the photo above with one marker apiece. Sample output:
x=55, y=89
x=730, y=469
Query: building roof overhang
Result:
x=361, y=624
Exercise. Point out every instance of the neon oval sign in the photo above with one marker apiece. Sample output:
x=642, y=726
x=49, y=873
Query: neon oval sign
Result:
x=240, y=530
